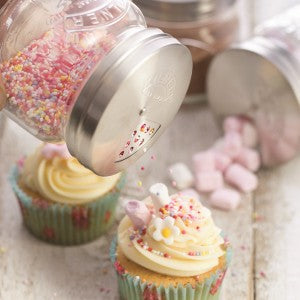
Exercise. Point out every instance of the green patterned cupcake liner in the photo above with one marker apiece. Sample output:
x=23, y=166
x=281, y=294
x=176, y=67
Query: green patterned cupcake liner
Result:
x=65, y=224
x=133, y=288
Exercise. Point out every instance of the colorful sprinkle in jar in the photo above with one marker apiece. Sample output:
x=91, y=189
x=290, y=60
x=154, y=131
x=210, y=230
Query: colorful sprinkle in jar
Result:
x=90, y=73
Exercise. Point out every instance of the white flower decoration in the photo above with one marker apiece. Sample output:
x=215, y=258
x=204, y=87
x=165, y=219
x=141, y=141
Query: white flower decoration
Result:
x=165, y=230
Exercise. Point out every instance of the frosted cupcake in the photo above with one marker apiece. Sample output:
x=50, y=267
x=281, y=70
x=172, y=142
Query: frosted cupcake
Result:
x=168, y=247
x=61, y=201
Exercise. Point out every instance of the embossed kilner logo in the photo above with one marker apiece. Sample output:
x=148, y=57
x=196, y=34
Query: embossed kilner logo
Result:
x=85, y=15
x=160, y=87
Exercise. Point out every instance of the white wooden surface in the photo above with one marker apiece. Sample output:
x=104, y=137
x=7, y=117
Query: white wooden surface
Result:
x=30, y=269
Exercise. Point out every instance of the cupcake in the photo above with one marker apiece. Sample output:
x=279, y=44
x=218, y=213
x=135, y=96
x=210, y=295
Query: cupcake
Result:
x=61, y=201
x=168, y=247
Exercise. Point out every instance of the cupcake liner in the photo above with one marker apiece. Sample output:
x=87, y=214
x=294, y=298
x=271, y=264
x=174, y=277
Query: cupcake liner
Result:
x=132, y=288
x=65, y=224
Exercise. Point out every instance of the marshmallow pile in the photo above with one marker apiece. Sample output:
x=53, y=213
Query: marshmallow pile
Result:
x=232, y=161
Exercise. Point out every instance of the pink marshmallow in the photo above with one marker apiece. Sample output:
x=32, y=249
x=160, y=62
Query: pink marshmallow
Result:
x=190, y=193
x=241, y=178
x=209, y=181
x=49, y=151
x=226, y=199
x=249, y=158
x=232, y=123
x=138, y=213
x=222, y=161
x=232, y=144
x=249, y=135
x=204, y=161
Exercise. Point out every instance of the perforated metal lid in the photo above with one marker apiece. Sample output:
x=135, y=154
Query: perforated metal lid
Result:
x=129, y=100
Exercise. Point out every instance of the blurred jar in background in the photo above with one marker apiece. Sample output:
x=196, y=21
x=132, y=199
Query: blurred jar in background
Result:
x=260, y=79
x=205, y=26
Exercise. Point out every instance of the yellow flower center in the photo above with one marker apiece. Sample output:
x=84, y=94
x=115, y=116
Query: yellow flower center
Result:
x=166, y=232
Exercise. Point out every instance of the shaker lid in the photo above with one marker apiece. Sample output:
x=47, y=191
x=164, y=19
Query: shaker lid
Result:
x=260, y=80
x=129, y=100
x=181, y=10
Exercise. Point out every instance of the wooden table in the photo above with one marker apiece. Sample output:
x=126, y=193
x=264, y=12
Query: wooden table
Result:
x=266, y=262
x=264, y=230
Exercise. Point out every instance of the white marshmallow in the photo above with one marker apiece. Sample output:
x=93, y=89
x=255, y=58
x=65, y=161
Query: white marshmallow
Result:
x=181, y=174
x=160, y=195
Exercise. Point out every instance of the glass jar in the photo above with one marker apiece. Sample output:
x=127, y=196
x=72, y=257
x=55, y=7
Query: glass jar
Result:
x=90, y=73
x=206, y=27
x=260, y=78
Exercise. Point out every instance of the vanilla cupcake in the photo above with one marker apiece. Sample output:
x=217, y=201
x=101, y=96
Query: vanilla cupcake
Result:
x=168, y=247
x=61, y=201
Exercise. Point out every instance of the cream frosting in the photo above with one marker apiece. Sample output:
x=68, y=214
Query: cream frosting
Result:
x=181, y=239
x=61, y=178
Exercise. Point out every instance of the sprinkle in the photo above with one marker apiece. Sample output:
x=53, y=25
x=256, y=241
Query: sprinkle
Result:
x=262, y=274
x=139, y=241
x=139, y=183
x=166, y=255
x=104, y=271
x=153, y=157
x=256, y=217
x=174, y=184
x=142, y=168
x=183, y=231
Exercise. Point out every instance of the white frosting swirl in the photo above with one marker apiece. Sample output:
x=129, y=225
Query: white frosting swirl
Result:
x=194, y=251
x=64, y=179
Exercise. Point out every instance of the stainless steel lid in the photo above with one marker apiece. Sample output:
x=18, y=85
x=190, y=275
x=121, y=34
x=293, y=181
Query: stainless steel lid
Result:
x=128, y=102
x=260, y=79
x=181, y=10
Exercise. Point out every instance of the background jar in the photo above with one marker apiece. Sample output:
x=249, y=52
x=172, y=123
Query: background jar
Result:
x=206, y=27
x=260, y=78
x=92, y=74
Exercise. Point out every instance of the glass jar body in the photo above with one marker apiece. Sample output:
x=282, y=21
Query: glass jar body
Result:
x=49, y=50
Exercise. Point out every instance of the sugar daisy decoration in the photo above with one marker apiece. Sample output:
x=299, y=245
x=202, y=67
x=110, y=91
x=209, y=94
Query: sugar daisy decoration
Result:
x=165, y=230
